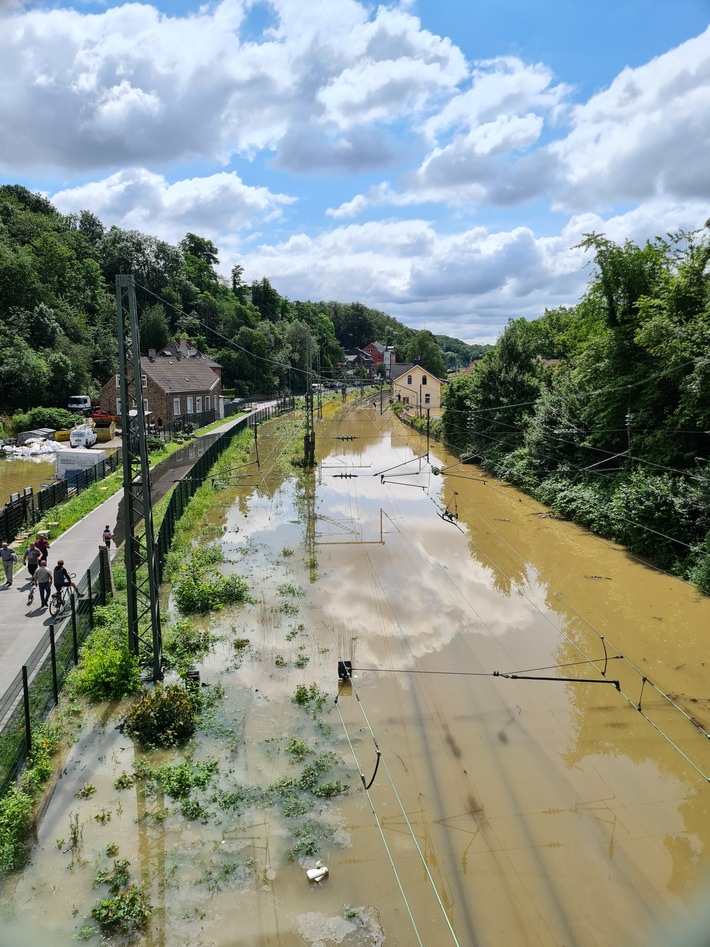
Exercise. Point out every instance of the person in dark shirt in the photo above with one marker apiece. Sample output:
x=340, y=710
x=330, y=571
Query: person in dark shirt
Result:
x=62, y=577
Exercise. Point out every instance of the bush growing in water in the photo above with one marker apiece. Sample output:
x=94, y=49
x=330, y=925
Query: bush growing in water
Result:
x=128, y=908
x=196, y=593
x=183, y=643
x=108, y=671
x=164, y=716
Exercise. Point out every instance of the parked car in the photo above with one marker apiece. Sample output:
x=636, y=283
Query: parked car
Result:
x=100, y=413
x=83, y=435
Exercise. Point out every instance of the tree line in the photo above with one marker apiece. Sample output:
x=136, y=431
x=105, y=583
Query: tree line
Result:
x=602, y=410
x=58, y=311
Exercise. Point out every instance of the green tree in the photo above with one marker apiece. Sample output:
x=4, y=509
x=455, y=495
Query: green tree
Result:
x=423, y=348
x=154, y=328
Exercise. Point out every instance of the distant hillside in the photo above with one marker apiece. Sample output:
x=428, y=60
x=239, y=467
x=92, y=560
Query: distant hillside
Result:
x=58, y=322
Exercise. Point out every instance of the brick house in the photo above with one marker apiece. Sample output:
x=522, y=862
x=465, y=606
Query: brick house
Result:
x=381, y=355
x=177, y=381
x=418, y=388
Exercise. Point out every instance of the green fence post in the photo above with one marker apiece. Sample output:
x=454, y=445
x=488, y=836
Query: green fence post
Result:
x=102, y=581
x=91, y=598
x=28, y=723
x=73, y=628
x=53, y=652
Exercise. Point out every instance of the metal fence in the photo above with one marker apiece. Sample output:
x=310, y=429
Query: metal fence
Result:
x=35, y=689
x=185, y=489
x=24, y=510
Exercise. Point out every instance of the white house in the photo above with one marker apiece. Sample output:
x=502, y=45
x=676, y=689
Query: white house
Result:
x=418, y=388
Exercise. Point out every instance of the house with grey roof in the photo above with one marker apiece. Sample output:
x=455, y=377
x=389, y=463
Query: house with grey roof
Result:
x=177, y=382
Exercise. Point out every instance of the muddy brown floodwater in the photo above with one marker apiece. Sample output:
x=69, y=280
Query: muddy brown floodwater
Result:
x=552, y=810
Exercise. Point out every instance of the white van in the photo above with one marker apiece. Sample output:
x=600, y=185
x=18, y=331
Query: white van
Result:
x=83, y=435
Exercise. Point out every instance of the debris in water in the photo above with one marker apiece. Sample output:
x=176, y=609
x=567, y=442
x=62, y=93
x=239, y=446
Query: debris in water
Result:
x=318, y=873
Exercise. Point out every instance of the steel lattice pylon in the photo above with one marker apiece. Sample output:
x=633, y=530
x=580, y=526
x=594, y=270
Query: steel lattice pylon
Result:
x=309, y=438
x=144, y=638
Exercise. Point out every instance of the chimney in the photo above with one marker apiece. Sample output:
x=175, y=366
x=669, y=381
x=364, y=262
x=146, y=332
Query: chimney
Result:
x=151, y=355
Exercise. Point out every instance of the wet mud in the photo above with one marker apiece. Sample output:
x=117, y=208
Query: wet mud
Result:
x=526, y=710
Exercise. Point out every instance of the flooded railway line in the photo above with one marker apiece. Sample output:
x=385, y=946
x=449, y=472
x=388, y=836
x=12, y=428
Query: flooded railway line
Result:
x=499, y=810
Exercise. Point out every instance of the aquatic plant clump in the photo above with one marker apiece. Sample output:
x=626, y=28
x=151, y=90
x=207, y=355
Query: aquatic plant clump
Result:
x=128, y=907
x=197, y=593
x=164, y=716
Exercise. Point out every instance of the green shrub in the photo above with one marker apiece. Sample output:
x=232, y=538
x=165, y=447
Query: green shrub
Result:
x=195, y=593
x=125, y=912
x=15, y=822
x=183, y=643
x=164, y=716
x=57, y=418
x=107, y=670
x=108, y=673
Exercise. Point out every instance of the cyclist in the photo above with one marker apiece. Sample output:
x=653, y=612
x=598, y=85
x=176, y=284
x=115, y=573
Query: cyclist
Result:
x=61, y=577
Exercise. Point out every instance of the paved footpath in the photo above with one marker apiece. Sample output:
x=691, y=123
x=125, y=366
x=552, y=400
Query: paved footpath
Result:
x=21, y=628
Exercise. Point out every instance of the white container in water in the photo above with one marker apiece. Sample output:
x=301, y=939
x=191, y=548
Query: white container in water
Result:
x=318, y=873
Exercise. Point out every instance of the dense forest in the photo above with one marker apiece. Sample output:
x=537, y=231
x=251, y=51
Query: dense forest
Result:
x=612, y=427
x=58, y=311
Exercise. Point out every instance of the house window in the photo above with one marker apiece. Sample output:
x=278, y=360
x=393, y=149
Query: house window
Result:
x=190, y=404
x=118, y=405
x=424, y=379
x=118, y=381
x=176, y=407
x=198, y=404
x=207, y=402
x=145, y=404
x=144, y=381
x=427, y=398
x=409, y=379
x=406, y=399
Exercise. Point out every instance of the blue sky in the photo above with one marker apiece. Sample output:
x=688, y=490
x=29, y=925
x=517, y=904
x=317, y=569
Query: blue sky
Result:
x=440, y=161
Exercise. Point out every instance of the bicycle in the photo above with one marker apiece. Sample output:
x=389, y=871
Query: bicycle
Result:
x=58, y=599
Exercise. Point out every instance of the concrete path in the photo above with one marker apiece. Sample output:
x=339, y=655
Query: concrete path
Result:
x=21, y=628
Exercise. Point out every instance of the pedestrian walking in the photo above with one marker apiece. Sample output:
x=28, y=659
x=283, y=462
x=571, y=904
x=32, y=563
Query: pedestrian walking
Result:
x=43, y=580
x=32, y=557
x=108, y=536
x=9, y=558
x=43, y=546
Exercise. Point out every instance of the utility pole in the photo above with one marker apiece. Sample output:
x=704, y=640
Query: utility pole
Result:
x=144, y=637
x=309, y=438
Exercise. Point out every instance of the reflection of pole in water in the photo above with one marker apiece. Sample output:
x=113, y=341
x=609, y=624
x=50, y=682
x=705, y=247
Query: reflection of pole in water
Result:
x=309, y=496
x=151, y=864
